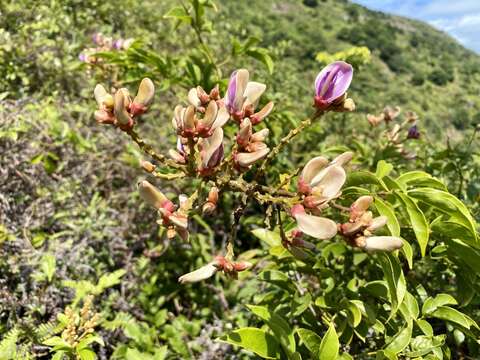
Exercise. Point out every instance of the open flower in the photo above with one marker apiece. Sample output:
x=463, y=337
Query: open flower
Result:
x=314, y=226
x=220, y=263
x=251, y=146
x=321, y=180
x=332, y=84
x=359, y=229
x=242, y=97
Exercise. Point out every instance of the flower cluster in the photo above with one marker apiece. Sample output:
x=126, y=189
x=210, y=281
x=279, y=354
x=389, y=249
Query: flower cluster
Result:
x=359, y=229
x=200, y=153
x=119, y=109
x=103, y=43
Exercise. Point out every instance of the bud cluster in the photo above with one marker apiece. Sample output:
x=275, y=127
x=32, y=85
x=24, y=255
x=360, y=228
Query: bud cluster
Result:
x=358, y=231
x=119, y=109
x=78, y=326
x=397, y=134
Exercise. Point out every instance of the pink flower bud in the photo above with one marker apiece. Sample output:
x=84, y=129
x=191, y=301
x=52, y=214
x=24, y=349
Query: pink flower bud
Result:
x=144, y=97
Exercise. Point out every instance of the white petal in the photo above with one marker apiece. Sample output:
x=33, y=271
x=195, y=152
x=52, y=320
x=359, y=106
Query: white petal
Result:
x=315, y=226
x=260, y=136
x=313, y=167
x=146, y=91
x=331, y=181
x=151, y=195
x=122, y=101
x=210, y=114
x=342, y=159
x=200, y=274
x=241, y=82
x=179, y=220
x=222, y=117
x=253, y=92
x=362, y=204
x=383, y=243
x=193, y=97
x=377, y=223
x=247, y=159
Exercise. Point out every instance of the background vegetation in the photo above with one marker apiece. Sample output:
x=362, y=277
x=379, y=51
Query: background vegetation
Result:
x=71, y=222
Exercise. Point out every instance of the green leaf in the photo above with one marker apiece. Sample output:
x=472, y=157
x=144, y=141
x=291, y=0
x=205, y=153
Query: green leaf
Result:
x=400, y=340
x=431, y=304
x=48, y=266
x=277, y=278
x=453, y=315
x=311, y=340
x=279, y=326
x=467, y=254
x=86, y=354
x=263, y=56
x=354, y=313
x=409, y=307
x=363, y=178
x=255, y=340
x=330, y=345
x=449, y=204
x=383, y=169
x=271, y=238
x=425, y=326
x=417, y=219
x=407, y=251
x=179, y=14
x=393, y=273
x=386, y=209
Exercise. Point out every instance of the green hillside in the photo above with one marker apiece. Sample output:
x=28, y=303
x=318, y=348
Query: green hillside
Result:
x=414, y=65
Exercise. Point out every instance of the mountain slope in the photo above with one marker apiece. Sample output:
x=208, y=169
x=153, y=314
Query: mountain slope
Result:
x=413, y=64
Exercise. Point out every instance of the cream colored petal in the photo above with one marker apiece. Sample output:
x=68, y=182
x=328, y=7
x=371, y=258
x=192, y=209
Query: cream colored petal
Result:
x=145, y=94
x=253, y=92
x=122, y=101
x=260, y=136
x=242, y=77
x=189, y=118
x=312, y=168
x=200, y=274
x=361, y=204
x=331, y=182
x=178, y=115
x=377, y=223
x=247, y=159
x=151, y=195
x=102, y=96
x=342, y=159
x=222, y=117
x=383, y=243
x=315, y=226
x=179, y=220
x=210, y=114
x=193, y=97
x=245, y=132
x=262, y=114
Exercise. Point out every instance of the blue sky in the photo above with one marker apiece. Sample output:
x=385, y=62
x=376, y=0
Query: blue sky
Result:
x=459, y=18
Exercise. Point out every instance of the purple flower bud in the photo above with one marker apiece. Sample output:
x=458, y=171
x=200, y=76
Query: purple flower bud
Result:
x=332, y=83
x=82, y=57
x=413, y=132
x=118, y=44
x=231, y=92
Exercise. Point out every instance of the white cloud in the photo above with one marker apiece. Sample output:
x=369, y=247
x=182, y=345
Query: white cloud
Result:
x=460, y=18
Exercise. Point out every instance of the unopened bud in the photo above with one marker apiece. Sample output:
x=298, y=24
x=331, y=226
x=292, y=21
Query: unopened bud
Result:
x=213, y=195
x=242, y=265
x=147, y=166
x=215, y=93
x=208, y=208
